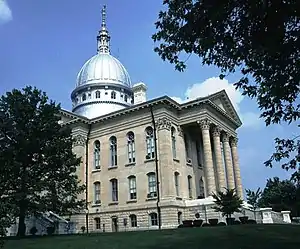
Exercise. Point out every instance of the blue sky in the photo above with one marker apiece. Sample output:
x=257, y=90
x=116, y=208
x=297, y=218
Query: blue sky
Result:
x=45, y=43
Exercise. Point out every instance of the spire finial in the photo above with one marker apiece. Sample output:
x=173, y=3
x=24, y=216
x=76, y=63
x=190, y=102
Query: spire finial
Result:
x=104, y=17
x=103, y=37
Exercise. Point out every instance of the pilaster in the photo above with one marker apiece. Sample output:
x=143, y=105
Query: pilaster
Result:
x=219, y=162
x=208, y=161
x=228, y=162
x=236, y=166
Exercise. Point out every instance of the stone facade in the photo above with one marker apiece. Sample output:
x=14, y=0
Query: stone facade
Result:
x=119, y=161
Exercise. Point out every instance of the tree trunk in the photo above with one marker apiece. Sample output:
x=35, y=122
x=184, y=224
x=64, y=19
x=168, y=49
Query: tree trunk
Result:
x=21, y=226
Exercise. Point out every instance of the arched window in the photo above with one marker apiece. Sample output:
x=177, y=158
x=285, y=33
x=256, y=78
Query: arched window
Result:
x=189, y=178
x=201, y=189
x=132, y=187
x=173, y=137
x=97, y=192
x=179, y=217
x=153, y=219
x=83, y=97
x=150, y=143
x=130, y=147
x=97, y=154
x=113, y=95
x=176, y=180
x=97, y=223
x=133, y=220
x=113, y=151
x=97, y=94
x=114, y=189
x=151, y=185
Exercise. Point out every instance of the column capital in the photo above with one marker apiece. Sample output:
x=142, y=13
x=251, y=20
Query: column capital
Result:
x=163, y=123
x=216, y=131
x=234, y=141
x=204, y=124
x=79, y=140
x=225, y=137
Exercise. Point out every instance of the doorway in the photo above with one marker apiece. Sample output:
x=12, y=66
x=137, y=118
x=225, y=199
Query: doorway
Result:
x=114, y=224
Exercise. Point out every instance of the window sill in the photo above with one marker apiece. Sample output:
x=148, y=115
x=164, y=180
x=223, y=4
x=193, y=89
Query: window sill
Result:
x=132, y=201
x=189, y=164
x=151, y=199
x=113, y=203
x=149, y=160
x=112, y=167
x=129, y=164
x=96, y=170
x=176, y=160
x=178, y=198
x=96, y=205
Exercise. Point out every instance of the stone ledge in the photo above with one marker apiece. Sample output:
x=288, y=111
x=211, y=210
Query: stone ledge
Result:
x=130, y=164
x=189, y=164
x=96, y=170
x=149, y=160
x=112, y=167
x=176, y=160
x=132, y=201
x=96, y=205
x=151, y=199
x=113, y=203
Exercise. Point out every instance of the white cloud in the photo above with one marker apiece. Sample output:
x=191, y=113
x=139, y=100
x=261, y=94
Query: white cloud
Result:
x=215, y=84
x=5, y=12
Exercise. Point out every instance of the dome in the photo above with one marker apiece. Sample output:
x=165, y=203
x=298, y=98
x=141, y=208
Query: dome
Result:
x=103, y=68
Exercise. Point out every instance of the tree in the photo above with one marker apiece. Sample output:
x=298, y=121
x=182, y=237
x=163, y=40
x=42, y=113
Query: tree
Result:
x=253, y=199
x=227, y=202
x=259, y=39
x=281, y=195
x=37, y=155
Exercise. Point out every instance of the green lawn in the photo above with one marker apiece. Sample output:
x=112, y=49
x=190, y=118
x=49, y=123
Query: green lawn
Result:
x=231, y=237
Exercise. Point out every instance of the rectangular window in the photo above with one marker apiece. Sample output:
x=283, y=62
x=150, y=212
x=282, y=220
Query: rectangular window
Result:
x=132, y=188
x=176, y=176
x=97, y=192
x=114, y=187
x=131, y=152
x=98, y=223
x=190, y=186
x=152, y=184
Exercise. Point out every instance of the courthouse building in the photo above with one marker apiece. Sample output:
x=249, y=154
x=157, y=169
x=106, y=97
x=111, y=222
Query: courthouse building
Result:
x=131, y=164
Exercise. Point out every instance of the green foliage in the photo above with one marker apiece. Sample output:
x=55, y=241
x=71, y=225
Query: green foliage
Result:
x=227, y=202
x=36, y=153
x=259, y=39
x=253, y=197
x=281, y=195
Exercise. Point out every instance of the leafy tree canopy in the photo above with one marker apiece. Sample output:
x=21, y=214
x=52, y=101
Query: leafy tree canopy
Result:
x=258, y=38
x=281, y=195
x=253, y=197
x=227, y=202
x=36, y=156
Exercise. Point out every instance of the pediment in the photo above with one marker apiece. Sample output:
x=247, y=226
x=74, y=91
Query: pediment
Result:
x=222, y=100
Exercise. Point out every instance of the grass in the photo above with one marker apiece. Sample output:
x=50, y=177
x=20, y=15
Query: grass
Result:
x=231, y=237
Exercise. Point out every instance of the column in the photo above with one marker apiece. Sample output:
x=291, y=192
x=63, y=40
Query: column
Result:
x=219, y=162
x=208, y=162
x=228, y=162
x=236, y=167
x=165, y=158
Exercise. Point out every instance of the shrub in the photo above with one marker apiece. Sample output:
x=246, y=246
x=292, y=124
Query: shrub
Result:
x=236, y=222
x=187, y=223
x=213, y=222
x=221, y=224
x=205, y=225
x=244, y=219
x=50, y=230
x=33, y=230
x=251, y=222
x=197, y=223
x=180, y=226
x=82, y=229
